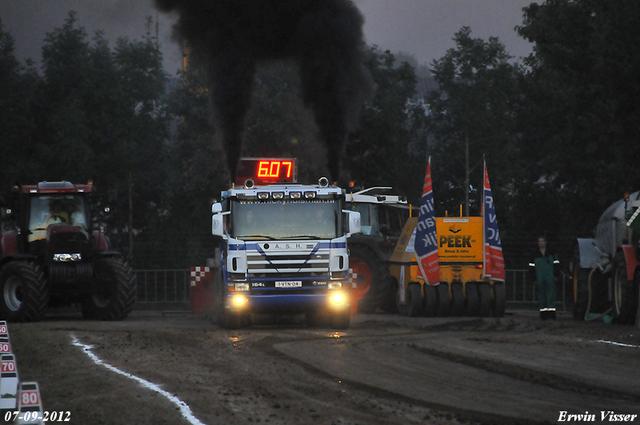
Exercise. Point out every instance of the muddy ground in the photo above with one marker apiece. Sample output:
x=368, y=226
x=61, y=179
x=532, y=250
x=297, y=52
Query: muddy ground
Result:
x=178, y=368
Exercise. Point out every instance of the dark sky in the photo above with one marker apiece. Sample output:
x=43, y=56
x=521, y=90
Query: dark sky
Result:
x=424, y=28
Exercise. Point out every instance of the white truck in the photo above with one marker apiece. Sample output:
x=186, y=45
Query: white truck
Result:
x=283, y=250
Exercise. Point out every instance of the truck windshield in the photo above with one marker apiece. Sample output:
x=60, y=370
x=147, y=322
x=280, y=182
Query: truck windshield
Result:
x=318, y=219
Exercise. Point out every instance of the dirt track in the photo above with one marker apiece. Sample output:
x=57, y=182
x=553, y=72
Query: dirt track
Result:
x=385, y=369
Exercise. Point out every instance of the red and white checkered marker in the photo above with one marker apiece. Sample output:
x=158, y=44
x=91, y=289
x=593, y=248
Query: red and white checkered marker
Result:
x=198, y=273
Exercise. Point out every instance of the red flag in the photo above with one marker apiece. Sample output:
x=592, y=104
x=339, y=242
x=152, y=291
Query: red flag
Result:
x=494, y=261
x=426, y=242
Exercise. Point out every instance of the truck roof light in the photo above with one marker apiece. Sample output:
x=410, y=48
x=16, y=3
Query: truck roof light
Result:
x=310, y=195
x=295, y=195
x=249, y=183
x=277, y=195
x=323, y=182
x=263, y=195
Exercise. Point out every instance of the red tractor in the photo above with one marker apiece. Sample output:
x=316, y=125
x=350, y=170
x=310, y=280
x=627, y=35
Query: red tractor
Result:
x=51, y=256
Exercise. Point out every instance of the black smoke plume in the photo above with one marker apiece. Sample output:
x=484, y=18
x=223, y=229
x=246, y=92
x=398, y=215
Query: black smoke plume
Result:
x=323, y=36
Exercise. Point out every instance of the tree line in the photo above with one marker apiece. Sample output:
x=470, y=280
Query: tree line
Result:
x=558, y=130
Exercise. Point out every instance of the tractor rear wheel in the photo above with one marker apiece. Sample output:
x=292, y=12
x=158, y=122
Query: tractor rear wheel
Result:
x=484, y=293
x=457, y=299
x=499, y=304
x=473, y=301
x=373, y=284
x=624, y=302
x=24, y=293
x=444, y=299
x=113, y=290
x=430, y=300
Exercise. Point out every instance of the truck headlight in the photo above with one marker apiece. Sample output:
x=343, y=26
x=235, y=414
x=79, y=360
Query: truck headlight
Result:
x=338, y=299
x=241, y=287
x=239, y=301
x=335, y=285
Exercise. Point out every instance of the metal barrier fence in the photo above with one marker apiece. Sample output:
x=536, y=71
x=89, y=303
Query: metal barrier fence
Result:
x=166, y=286
x=162, y=286
x=520, y=289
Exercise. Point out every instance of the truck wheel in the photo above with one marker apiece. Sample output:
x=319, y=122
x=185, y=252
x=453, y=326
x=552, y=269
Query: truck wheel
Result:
x=624, y=301
x=499, y=299
x=414, y=299
x=457, y=299
x=473, y=301
x=341, y=320
x=231, y=320
x=430, y=300
x=373, y=285
x=444, y=299
x=24, y=292
x=484, y=293
x=314, y=318
x=113, y=290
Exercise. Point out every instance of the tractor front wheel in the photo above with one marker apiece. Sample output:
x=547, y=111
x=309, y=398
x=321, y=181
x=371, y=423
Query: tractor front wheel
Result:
x=113, y=290
x=24, y=293
x=373, y=284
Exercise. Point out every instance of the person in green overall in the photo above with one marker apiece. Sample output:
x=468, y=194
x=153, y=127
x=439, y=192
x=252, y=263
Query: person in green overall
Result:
x=543, y=268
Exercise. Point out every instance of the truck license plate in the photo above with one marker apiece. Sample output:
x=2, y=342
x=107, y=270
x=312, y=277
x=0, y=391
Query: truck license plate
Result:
x=289, y=284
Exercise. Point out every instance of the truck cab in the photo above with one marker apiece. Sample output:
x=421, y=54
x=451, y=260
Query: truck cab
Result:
x=283, y=250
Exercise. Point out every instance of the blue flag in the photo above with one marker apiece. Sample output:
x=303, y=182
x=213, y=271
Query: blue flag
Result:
x=426, y=242
x=494, y=261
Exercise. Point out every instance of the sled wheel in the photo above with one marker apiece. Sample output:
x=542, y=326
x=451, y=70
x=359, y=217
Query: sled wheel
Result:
x=472, y=299
x=457, y=299
x=430, y=300
x=24, y=292
x=444, y=299
x=484, y=294
x=499, y=299
x=414, y=299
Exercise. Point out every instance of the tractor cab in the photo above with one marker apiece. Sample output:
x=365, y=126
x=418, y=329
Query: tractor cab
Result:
x=57, y=218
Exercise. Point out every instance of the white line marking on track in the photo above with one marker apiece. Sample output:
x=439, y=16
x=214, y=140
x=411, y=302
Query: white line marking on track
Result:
x=184, y=407
x=618, y=343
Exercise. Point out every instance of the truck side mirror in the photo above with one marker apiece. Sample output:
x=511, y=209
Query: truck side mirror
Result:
x=217, y=221
x=353, y=218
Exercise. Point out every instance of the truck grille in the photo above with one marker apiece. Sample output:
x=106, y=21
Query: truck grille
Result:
x=286, y=265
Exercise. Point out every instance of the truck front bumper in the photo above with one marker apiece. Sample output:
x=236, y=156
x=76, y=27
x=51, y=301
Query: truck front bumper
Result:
x=288, y=303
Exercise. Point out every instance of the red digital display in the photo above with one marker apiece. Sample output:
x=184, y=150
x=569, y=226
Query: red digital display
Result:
x=266, y=170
